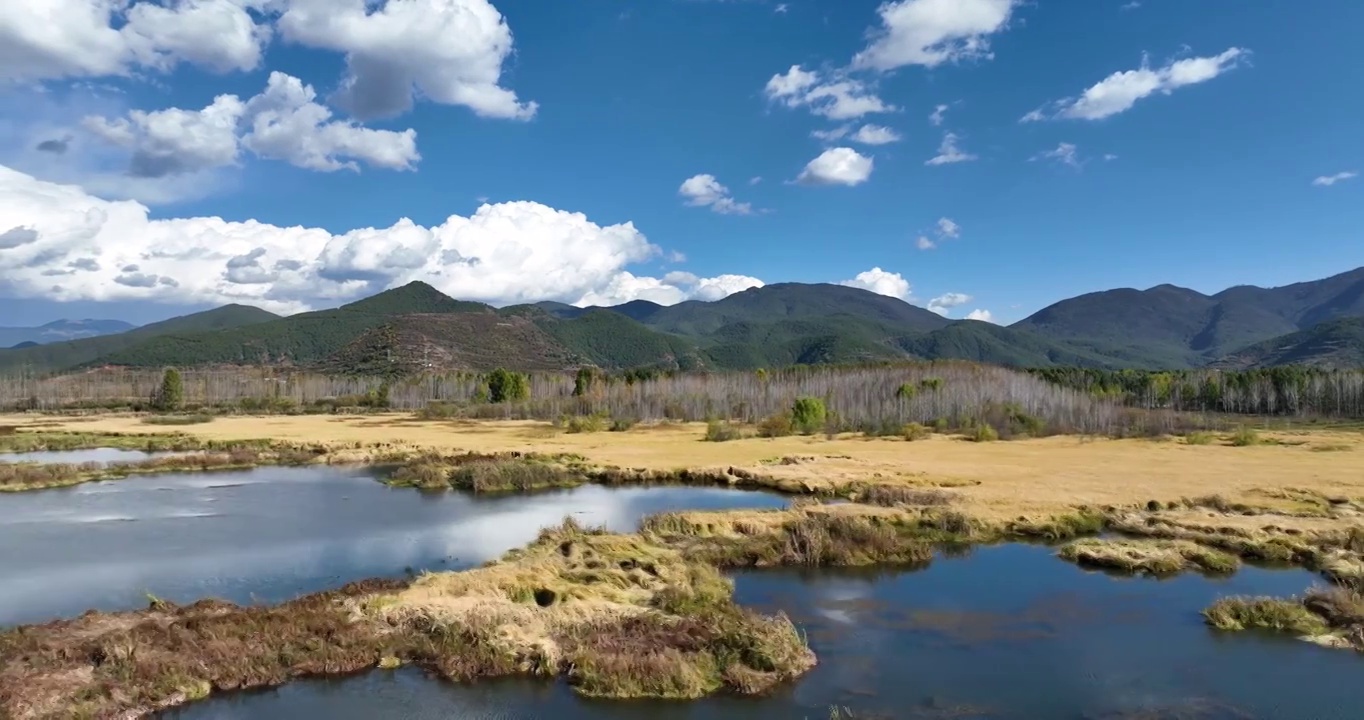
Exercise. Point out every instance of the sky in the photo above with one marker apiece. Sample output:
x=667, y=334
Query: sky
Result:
x=981, y=158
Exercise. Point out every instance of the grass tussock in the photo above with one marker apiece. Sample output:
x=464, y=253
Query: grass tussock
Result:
x=16, y=477
x=1200, y=437
x=888, y=495
x=1245, y=437
x=1243, y=613
x=811, y=536
x=617, y=615
x=1154, y=557
x=721, y=431
x=22, y=441
x=1057, y=527
x=190, y=419
x=485, y=473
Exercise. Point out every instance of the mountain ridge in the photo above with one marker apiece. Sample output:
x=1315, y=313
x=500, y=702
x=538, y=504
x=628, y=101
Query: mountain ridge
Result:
x=415, y=326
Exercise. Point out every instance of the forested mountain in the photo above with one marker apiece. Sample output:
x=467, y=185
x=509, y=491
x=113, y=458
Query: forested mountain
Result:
x=1168, y=326
x=415, y=326
x=63, y=355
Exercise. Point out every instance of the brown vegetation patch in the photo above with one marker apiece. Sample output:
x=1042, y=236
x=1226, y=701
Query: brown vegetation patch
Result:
x=620, y=616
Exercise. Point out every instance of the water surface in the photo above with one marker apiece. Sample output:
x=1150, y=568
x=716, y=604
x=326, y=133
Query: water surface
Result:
x=272, y=533
x=99, y=455
x=1006, y=633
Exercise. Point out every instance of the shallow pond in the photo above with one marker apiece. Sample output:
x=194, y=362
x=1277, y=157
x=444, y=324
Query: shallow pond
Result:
x=1007, y=633
x=273, y=533
x=99, y=455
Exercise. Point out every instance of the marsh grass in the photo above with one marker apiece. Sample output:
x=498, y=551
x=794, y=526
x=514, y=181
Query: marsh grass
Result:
x=1199, y=438
x=1245, y=437
x=16, y=477
x=37, y=441
x=722, y=431
x=1155, y=557
x=617, y=615
x=1057, y=527
x=1243, y=613
x=192, y=419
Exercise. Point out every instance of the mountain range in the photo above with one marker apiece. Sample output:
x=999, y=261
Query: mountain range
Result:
x=409, y=328
x=60, y=330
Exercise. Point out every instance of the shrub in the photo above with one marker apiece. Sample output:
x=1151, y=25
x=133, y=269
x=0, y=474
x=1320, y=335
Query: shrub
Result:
x=1244, y=437
x=931, y=384
x=778, y=425
x=622, y=424
x=595, y=422
x=1198, y=438
x=915, y=431
x=906, y=391
x=808, y=415
x=719, y=431
x=982, y=432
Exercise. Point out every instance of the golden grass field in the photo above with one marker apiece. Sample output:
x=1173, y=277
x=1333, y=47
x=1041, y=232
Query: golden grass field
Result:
x=995, y=480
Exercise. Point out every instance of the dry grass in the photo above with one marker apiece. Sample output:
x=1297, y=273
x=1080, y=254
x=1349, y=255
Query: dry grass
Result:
x=1155, y=557
x=617, y=614
x=1004, y=480
x=19, y=477
x=1328, y=616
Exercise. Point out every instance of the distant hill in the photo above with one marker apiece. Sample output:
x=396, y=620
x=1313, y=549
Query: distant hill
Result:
x=74, y=353
x=303, y=339
x=415, y=326
x=1332, y=344
x=60, y=330
x=1168, y=326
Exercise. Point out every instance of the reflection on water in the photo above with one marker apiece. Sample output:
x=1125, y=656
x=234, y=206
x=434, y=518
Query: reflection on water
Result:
x=1006, y=633
x=270, y=534
x=99, y=455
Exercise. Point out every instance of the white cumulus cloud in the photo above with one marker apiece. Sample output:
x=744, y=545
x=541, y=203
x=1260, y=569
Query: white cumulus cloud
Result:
x=283, y=122
x=949, y=152
x=837, y=166
x=54, y=39
x=1118, y=92
x=1329, y=180
x=944, y=303
x=881, y=282
x=933, y=32
x=448, y=51
x=705, y=191
x=60, y=243
x=836, y=97
x=981, y=315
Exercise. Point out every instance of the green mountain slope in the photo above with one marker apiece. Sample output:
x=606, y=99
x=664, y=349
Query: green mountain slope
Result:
x=1332, y=344
x=1168, y=326
x=303, y=339
x=465, y=340
x=987, y=343
x=792, y=301
x=608, y=339
x=74, y=353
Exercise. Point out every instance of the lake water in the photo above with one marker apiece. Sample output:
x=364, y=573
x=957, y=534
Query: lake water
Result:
x=1006, y=633
x=100, y=455
x=273, y=533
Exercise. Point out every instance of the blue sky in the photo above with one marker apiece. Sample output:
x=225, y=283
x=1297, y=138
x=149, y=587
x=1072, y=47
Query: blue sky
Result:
x=1198, y=168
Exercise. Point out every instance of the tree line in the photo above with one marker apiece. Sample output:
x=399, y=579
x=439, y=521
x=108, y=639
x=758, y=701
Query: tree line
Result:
x=1288, y=390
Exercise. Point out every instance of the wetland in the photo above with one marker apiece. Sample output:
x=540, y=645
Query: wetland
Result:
x=864, y=573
